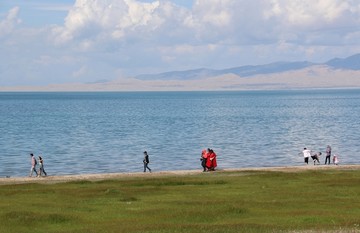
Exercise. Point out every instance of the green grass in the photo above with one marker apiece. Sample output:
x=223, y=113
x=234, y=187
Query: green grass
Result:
x=309, y=201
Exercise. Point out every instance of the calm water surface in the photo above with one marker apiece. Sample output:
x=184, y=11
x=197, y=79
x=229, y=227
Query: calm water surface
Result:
x=107, y=132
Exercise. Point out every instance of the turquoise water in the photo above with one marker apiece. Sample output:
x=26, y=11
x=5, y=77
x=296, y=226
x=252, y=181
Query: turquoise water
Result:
x=107, y=132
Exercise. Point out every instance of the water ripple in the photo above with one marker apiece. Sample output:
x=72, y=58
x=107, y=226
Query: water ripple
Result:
x=107, y=132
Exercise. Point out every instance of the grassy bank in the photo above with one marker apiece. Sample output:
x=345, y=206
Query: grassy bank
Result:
x=247, y=201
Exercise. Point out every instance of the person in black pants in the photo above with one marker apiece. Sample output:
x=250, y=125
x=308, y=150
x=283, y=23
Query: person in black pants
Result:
x=146, y=161
x=328, y=154
x=203, y=159
x=42, y=169
x=315, y=157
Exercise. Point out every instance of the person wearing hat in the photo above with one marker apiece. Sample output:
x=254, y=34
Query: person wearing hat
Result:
x=146, y=161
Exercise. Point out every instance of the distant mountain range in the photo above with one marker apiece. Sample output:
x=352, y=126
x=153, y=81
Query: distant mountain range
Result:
x=336, y=73
x=349, y=63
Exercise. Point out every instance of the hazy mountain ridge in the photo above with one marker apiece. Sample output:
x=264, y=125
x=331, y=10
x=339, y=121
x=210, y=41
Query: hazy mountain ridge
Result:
x=349, y=63
x=336, y=73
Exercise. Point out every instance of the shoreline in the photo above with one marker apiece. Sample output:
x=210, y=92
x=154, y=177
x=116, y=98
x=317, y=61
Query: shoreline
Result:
x=107, y=176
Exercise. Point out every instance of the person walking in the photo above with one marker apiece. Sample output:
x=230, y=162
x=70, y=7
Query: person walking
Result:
x=41, y=166
x=203, y=159
x=146, y=161
x=307, y=154
x=328, y=154
x=33, y=165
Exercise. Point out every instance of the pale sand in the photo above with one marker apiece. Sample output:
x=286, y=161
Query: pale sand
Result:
x=107, y=176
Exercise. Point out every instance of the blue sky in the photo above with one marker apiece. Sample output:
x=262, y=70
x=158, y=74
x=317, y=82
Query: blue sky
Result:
x=38, y=13
x=35, y=13
x=46, y=42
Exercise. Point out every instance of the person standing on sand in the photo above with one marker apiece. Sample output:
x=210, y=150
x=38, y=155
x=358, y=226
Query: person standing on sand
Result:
x=336, y=159
x=146, y=161
x=211, y=163
x=328, y=154
x=41, y=169
x=33, y=165
x=203, y=159
x=307, y=154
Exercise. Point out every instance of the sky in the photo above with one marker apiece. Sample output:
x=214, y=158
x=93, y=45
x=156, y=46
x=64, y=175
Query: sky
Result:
x=45, y=42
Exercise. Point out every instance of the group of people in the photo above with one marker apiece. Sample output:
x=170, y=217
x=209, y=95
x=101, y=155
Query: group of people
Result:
x=316, y=156
x=208, y=160
x=34, y=162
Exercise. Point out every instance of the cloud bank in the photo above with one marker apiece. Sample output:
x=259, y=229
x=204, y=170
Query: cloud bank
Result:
x=108, y=39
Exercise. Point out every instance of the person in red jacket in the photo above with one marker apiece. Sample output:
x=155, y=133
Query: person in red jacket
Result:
x=211, y=163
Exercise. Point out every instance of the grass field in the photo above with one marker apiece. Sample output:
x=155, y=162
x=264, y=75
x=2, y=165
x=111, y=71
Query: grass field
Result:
x=246, y=201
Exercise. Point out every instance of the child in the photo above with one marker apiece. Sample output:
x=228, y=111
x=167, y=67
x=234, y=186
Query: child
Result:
x=336, y=159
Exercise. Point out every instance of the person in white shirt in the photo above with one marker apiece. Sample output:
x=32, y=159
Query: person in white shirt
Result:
x=336, y=159
x=307, y=155
x=33, y=165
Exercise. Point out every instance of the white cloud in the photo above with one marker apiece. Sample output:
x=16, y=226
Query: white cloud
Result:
x=214, y=12
x=106, y=36
x=240, y=22
x=307, y=13
x=81, y=72
x=115, y=18
x=8, y=24
x=315, y=22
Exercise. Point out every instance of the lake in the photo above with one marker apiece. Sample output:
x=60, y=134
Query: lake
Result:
x=107, y=132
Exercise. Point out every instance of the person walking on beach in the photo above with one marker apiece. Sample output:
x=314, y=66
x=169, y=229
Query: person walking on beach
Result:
x=146, y=161
x=41, y=168
x=33, y=165
x=203, y=159
x=211, y=163
x=328, y=154
x=307, y=154
x=315, y=157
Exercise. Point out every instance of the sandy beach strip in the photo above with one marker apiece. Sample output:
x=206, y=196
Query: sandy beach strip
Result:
x=108, y=176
